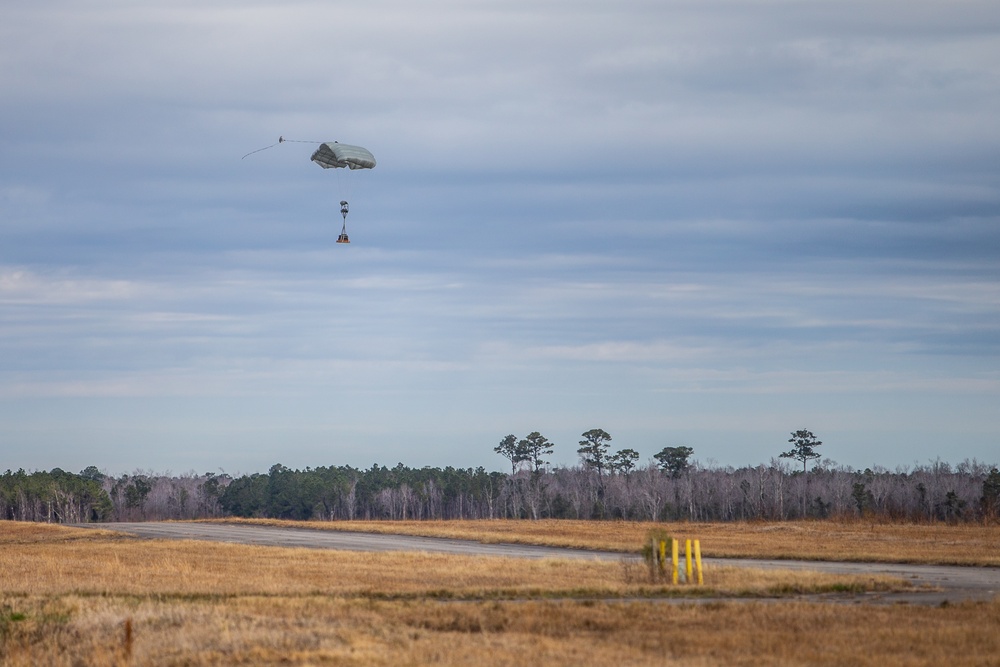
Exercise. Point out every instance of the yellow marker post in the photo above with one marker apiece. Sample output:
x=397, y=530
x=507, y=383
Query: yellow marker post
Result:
x=662, y=556
x=687, y=561
x=697, y=560
x=675, y=546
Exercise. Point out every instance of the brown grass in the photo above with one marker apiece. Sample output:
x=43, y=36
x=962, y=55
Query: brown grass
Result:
x=251, y=630
x=69, y=597
x=861, y=541
x=36, y=559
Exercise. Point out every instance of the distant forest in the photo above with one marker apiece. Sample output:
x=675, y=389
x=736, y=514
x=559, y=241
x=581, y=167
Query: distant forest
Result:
x=938, y=491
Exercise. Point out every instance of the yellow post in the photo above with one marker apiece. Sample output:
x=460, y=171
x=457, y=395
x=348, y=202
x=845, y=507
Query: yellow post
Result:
x=687, y=561
x=675, y=546
x=662, y=556
x=697, y=560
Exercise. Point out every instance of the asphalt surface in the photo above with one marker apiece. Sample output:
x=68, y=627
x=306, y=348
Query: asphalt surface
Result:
x=942, y=583
x=272, y=536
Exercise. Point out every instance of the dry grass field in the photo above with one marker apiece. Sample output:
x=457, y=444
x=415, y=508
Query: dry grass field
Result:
x=860, y=541
x=41, y=559
x=74, y=597
x=314, y=630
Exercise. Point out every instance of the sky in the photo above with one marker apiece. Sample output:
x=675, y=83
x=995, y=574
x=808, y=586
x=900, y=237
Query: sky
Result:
x=706, y=223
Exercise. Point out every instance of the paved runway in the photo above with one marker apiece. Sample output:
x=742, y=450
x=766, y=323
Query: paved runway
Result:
x=956, y=583
x=335, y=539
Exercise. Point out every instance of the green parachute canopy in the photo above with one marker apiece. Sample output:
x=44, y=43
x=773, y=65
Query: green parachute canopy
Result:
x=332, y=155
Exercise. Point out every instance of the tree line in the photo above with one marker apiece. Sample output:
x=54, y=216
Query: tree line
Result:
x=54, y=497
x=604, y=485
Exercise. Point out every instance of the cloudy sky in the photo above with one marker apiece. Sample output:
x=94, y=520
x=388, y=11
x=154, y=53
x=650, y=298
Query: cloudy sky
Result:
x=704, y=223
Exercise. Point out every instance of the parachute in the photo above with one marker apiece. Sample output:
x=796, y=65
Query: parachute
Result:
x=333, y=155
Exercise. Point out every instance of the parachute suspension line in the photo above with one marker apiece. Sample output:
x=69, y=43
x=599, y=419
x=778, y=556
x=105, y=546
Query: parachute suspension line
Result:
x=343, y=190
x=342, y=184
x=281, y=140
x=345, y=182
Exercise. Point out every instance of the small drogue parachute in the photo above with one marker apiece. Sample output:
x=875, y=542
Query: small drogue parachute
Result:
x=334, y=155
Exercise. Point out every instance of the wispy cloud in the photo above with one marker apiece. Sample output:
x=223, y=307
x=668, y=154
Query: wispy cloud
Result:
x=668, y=217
